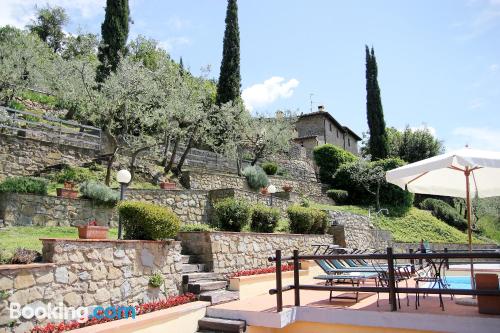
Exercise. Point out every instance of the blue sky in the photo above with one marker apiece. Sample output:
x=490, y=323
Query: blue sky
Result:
x=439, y=61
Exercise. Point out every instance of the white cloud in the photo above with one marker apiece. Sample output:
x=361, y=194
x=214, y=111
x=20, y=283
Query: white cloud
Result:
x=494, y=67
x=19, y=12
x=478, y=137
x=170, y=43
x=178, y=23
x=431, y=129
x=262, y=94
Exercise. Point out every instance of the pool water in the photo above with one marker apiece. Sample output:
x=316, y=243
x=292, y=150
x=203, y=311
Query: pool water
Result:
x=457, y=282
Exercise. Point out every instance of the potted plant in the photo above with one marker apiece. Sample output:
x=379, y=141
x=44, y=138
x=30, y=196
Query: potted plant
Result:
x=68, y=191
x=92, y=231
x=264, y=191
x=167, y=184
x=287, y=188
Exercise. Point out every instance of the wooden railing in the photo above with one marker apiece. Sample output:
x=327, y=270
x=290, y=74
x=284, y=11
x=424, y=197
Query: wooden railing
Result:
x=50, y=129
x=391, y=287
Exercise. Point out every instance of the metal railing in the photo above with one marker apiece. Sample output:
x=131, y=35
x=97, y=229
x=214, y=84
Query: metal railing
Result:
x=46, y=128
x=391, y=287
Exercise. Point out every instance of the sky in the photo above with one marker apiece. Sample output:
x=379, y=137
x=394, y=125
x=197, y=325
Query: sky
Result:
x=439, y=61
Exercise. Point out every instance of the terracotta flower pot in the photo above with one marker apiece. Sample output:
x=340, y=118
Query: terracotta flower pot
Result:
x=167, y=185
x=66, y=193
x=264, y=191
x=92, y=232
x=68, y=185
x=287, y=188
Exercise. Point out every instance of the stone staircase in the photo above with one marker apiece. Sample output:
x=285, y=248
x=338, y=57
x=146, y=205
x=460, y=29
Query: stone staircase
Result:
x=208, y=286
x=219, y=325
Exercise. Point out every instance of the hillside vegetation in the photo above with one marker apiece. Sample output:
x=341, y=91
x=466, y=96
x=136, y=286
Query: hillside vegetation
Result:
x=410, y=227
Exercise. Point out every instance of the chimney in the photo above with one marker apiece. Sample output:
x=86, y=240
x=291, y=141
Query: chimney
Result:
x=321, y=108
x=280, y=114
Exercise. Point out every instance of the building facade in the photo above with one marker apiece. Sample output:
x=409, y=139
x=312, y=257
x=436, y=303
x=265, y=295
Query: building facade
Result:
x=317, y=128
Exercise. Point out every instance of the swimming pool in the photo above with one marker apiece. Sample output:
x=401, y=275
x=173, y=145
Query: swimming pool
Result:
x=456, y=282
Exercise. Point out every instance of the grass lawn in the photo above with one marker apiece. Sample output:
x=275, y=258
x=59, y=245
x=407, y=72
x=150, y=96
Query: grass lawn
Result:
x=411, y=227
x=490, y=227
x=28, y=237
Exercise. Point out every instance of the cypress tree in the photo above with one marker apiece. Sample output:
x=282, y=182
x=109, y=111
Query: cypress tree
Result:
x=114, y=31
x=228, y=88
x=378, y=142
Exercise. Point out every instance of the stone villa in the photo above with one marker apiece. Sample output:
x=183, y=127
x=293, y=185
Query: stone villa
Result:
x=320, y=127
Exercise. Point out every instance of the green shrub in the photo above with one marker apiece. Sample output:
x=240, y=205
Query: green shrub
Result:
x=231, y=214
x=39, y=98
x=17, y=105
x=282, y=172
x=348, y=177
x=156, y=280
x=31, y=185
x=74, y=174
x=306, y=220
x=192, y=227
x=264, y=219
x=329, y=158
x=339, y=196
x=142, y=220
x=444, y=212
x=283, y=225
x=256, y=177
x=270, y=168
x=99, y=193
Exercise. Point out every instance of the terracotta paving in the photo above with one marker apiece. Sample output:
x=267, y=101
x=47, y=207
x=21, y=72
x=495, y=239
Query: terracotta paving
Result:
x=368, y=301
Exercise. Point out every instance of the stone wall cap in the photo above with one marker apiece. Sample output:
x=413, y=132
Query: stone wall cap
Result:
x=25, y=266
x=106, y=240
x=252, y=233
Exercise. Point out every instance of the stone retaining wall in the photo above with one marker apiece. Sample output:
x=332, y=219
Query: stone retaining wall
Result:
x=357, y=232
x=229, y=252
x=91, y=273
x=212, y=181
x=27, y=209
x=21, y=156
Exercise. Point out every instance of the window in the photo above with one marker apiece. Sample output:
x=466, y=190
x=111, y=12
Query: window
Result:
x=330, y=127
x=337, y=133
x=349, y=142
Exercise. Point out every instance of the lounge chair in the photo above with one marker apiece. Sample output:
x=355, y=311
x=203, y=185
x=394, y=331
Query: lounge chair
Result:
x=354, y=280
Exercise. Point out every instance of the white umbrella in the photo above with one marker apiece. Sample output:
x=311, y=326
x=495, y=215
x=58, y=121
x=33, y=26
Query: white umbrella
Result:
x=455, y=174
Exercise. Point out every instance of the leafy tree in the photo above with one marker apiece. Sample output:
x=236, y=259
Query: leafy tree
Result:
x=82, y=45
x=25, y=62
x=410, y=145
x=229, y=85
x=114, y=31
x=49, y=24
x=147, y=51
x=329, y=158
x=264, y=137
x=375, y=114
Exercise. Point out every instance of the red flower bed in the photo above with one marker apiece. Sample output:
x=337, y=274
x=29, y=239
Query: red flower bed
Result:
x=257, y=271
x=139, y=309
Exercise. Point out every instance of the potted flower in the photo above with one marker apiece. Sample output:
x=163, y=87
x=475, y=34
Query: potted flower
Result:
x=68, y=191
x=287, y=188
x=92, y=231
x=167, y=184
x=264, y=191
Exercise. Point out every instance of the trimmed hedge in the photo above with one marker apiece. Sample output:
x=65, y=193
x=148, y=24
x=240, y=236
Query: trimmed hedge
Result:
x=306, y=220
x=270, y=168
x=339, y=196
x=231, y=214
x=256, y=177
x=99, y=193
x=146, y=221
x=264, y=219
x=329, y=158
x=444, y=212
x=31, y=185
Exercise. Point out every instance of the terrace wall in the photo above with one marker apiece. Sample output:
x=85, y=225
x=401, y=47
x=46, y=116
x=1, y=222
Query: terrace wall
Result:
x=20, y=156
x=228, y=252
x=90, y=273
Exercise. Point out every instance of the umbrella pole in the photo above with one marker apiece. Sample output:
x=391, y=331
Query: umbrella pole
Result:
x=469, y=227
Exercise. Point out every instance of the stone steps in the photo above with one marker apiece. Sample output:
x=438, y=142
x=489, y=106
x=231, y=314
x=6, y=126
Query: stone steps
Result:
x=206, y=285
x=219, y=296
x=193, y=277
x=192, y=268
x=221, y=325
